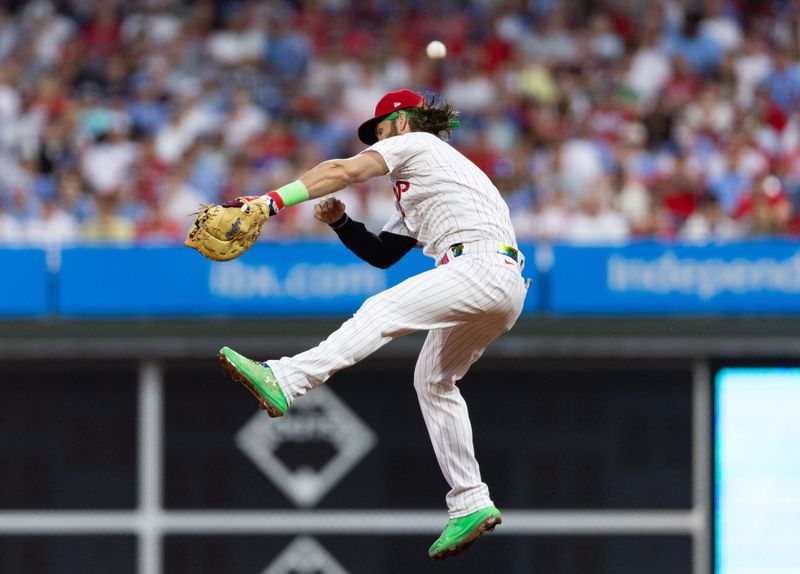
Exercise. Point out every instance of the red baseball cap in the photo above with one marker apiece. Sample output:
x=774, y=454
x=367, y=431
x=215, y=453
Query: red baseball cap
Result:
x=391, y=102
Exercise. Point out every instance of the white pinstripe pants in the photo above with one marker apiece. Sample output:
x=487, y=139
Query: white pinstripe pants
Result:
x=464, y=305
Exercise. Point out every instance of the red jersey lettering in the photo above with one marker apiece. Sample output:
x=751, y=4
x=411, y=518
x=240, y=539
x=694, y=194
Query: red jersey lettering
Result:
x=398, y=188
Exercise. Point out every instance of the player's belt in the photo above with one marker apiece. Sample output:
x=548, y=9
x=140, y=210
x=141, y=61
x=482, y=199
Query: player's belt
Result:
x=483, y=247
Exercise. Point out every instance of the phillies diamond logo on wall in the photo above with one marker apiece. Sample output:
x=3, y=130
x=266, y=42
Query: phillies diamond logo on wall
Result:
x=309, y=450
x=305, y=555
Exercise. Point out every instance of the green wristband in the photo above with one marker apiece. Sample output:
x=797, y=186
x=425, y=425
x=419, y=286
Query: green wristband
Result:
x=293, y=193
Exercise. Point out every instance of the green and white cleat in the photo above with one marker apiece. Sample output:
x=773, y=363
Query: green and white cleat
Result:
x=461, y=532
x=258, y=379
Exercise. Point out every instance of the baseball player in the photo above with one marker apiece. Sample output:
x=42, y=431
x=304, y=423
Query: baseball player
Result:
x=449, y=207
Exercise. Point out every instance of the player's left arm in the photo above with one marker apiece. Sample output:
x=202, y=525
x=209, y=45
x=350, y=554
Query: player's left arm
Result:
x=336, y=174
x=221, y=238
x=327, y=177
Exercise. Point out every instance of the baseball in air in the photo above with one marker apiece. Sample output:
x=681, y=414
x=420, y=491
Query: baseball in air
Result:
x=436, y=50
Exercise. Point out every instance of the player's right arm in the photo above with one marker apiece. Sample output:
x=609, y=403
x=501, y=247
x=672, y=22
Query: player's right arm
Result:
x=383, y=250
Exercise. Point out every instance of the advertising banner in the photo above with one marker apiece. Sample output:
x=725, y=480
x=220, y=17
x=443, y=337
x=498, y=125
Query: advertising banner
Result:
x=658, y=278
x=24, y=288
x=298, y=278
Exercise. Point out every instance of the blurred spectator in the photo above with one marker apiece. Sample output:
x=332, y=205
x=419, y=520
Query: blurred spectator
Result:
x=683, y=84
x=208, y=166
x=55, y=150
x=151, y=172
x=155, y=226
x=180, y=198
x=241, y=40
x=783, y=82
x=109, y=163
x=240, y=180
x=679, y=190
x=634, y=201
x=53, y=227
x=9, y=32
x=10, y=229
x=733, y=185
x=548, y=219
x=578, y=163
x=102, y=34
x=552, y=39
x=148, y=109
x=244, y=120
x=107, y=226
x=752, y=65
x=712, y=113
x=767, y=210
x=650, y=68
x=709, y=223
x=605, y=42
x=49, y=31
x=155, y=22
x=596, y=220
x=473, y=91
x=720, y=23
x=289, y=49
x=72, y=196
x=694, y=45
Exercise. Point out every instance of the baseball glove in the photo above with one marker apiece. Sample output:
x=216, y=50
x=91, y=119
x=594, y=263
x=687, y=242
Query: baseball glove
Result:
x=224, y=232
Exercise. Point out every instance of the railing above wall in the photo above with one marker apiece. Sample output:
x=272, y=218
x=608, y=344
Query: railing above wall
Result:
x=320, y=279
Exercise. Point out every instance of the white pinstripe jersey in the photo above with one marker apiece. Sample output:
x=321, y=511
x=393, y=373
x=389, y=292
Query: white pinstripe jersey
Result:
x=441, y=197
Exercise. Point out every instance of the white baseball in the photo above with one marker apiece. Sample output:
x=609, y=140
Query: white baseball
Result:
x=436, y=50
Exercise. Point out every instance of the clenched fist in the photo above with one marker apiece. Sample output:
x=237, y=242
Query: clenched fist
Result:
x=329, y=210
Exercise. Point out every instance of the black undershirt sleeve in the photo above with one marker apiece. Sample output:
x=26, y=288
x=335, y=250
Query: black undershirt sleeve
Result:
x=383, y=250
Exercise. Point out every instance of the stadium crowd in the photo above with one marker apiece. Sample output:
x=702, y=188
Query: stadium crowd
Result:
x=598, y=121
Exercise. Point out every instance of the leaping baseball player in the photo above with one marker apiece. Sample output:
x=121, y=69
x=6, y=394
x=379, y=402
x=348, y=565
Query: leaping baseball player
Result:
x=449, y=207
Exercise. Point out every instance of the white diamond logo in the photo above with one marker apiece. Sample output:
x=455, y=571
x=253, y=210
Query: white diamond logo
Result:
x=321, y=435
x=305, y=556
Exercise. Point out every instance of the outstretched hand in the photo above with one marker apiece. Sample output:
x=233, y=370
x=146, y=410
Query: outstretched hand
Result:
x=329, y=210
